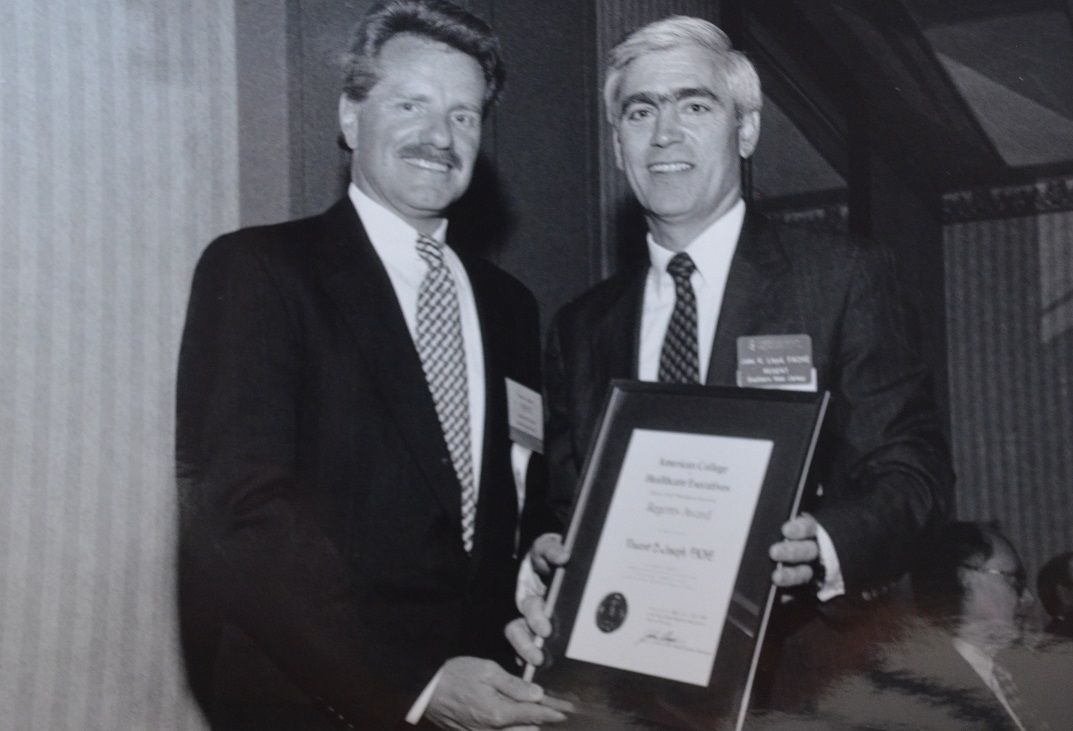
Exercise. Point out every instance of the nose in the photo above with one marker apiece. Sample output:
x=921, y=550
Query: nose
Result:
x=668, y=129
x=438, y=133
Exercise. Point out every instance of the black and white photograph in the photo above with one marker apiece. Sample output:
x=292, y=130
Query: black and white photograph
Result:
x=310, y=311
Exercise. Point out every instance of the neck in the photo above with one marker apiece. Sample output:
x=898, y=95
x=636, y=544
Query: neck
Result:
x=425, y=226
x=676, y=235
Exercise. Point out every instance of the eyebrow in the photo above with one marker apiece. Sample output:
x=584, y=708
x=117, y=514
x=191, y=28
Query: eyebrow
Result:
x=645, y=97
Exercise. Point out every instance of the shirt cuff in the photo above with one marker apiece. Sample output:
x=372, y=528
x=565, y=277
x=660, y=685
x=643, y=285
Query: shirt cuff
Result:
x=833, y=583
x=528, y=584
x=417, y=710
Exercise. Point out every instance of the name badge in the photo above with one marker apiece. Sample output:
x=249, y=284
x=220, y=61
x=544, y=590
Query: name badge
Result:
x=776, y=361
x=525, y=416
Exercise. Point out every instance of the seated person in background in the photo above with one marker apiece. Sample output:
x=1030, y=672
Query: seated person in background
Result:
x=947, y=669
x=1055, y=585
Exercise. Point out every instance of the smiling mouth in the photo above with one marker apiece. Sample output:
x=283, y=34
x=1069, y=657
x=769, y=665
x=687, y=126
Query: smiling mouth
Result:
x=670, y=167
x=425, y=164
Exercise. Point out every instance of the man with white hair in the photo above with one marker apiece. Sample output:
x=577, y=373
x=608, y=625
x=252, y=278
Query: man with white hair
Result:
x=685, y=110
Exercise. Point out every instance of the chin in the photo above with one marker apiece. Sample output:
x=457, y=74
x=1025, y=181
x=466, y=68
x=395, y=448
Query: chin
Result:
x=430, y=200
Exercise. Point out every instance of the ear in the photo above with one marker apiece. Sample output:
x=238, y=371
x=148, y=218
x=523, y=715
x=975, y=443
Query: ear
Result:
x=616, y=143
x=348, y=120
x=748, y=133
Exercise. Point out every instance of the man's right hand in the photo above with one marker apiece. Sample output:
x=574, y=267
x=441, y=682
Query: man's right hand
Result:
x=527, y=634
x=547, y=554
x=474, y=695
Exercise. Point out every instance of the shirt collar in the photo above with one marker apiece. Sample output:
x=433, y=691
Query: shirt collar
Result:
x=386, y=229
x=710, y=251
x=980, y=661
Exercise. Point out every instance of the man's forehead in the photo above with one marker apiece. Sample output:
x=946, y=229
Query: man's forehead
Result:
x=413, y=65
x=671, y=95
x=669, y=71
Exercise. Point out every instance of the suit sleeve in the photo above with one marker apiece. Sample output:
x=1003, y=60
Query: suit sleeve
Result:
x=249, y=555
x=900, y=482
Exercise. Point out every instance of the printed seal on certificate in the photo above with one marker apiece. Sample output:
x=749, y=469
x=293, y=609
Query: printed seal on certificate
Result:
x=611, y=613
x=683, y=491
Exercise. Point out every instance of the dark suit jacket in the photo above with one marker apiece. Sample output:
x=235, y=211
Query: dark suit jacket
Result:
x=320, y=556
x=881, y=460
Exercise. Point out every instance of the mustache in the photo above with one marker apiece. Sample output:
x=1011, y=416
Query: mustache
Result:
x=432, y=154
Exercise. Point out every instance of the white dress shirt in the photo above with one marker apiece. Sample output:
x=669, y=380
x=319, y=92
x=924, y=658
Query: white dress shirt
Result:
x=711, y=253
x=395, y=242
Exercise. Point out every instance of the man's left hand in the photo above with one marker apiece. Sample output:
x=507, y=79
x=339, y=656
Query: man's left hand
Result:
x=796, y=552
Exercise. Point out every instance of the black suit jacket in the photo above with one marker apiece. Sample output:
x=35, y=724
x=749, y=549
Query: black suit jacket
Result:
x=882, y=460
x=320, y=556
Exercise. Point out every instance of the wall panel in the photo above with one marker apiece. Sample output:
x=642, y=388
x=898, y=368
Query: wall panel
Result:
x=118, y=162
x=1011, y=386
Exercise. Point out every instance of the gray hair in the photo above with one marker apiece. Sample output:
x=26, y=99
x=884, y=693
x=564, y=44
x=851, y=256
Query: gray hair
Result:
x=676, y=31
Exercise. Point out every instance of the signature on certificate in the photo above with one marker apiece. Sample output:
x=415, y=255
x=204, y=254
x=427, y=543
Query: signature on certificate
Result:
x=659, y=637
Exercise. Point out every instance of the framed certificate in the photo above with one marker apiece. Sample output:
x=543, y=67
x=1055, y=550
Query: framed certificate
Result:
x=660, y=615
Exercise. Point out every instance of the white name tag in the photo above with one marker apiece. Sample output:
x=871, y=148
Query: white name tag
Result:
x=776, y=361
x=525, y=416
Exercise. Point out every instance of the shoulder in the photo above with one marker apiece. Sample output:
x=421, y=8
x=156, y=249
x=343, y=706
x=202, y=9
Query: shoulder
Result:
x=589, y=307
x=489, y=281
x=812, y=247
x=280, y=250
x=277, y=241
x=824, y=266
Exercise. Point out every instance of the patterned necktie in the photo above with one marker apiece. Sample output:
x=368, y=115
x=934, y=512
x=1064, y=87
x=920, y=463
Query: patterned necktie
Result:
x=678, y=361
x=443, y=358
x=1023, y=717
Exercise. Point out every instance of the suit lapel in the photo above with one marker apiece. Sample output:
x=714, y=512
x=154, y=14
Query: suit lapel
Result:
x=616, y=342
x=357, y=282
x=754, y=301
x=492, y=325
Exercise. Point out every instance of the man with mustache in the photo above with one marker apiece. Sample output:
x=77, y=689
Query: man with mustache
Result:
x=348, y=503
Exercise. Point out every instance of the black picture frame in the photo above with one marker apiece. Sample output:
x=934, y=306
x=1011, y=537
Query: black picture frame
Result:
x=607, y=697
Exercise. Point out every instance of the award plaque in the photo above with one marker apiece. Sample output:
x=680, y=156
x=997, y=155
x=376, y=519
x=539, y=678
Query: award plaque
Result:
x=660, y=614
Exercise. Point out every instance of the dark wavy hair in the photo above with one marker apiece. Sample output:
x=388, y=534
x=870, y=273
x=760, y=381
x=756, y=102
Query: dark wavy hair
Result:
x=438, y=20
x=938, y=587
